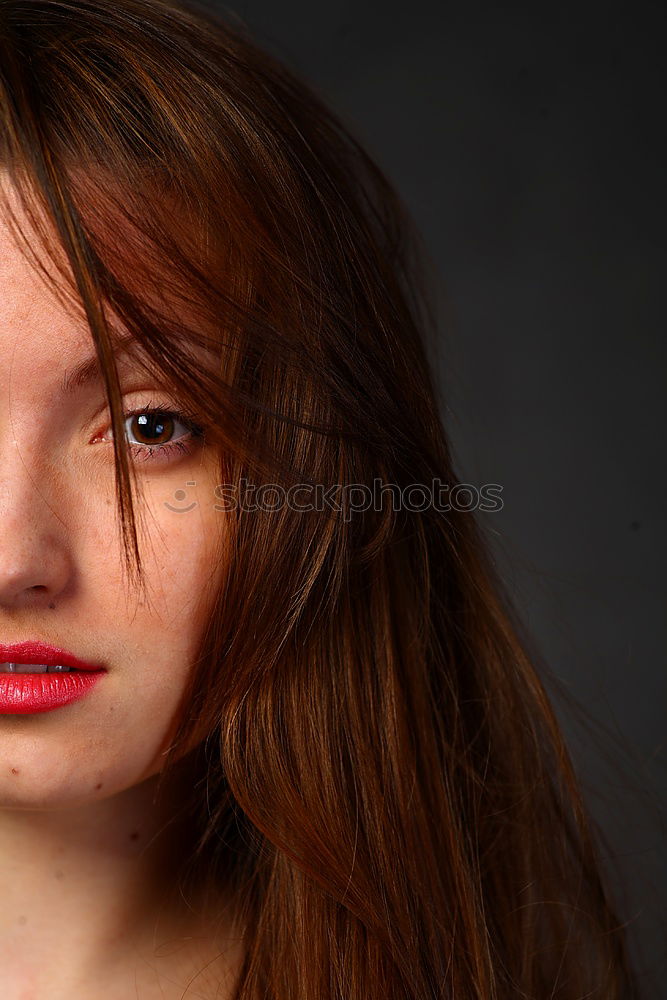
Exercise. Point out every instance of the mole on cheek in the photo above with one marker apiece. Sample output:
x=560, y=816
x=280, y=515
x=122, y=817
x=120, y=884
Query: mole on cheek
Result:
x=134, y=835
x=98, y=786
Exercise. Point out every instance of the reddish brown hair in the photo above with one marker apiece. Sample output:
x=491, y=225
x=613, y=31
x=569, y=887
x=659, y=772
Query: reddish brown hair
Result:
x=378, y=773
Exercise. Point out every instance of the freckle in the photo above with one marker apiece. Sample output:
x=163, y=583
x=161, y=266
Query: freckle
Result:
x=52, y=606
x=15, y=770
x=22, y=919
x=134, y=835
x=98, y=786
x=59, y=874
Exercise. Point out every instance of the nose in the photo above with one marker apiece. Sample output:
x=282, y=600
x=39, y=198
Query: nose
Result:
x=35, y=563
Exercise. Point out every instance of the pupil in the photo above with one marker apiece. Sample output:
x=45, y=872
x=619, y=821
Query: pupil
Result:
x=152, y=427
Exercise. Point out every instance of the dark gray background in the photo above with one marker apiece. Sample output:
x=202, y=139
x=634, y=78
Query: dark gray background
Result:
x=527, y=143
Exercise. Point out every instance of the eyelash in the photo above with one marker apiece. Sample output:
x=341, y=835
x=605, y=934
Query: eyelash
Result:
x=163, y=452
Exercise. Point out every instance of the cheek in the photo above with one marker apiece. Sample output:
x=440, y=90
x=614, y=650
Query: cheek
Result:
x=182, y=560
x=115, y=737
x=182, y=568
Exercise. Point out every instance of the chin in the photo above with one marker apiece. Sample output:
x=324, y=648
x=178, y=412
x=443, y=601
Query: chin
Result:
x=36, y=775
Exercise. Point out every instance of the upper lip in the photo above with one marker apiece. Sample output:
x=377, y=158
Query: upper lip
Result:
x=33, y=651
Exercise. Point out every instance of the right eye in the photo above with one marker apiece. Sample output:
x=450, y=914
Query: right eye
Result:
x=150, y=431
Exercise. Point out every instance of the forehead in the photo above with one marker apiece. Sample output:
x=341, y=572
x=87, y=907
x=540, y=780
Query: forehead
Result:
x=34, y=305
x=41, y=315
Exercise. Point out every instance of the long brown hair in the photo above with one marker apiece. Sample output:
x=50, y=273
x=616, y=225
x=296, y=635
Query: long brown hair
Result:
x=377, y=771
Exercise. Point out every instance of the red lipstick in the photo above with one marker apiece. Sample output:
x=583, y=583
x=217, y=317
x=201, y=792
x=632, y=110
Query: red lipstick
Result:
x=27, y=693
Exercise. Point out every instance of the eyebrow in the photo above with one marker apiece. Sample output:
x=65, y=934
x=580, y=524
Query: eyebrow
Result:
x=89, y=370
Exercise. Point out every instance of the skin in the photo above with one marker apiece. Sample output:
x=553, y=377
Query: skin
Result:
x=84, y=852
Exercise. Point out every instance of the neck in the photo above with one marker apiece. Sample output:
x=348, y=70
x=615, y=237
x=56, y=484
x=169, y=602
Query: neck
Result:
x=91, y=890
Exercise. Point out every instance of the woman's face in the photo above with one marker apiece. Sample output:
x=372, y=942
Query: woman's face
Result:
x=61, y=579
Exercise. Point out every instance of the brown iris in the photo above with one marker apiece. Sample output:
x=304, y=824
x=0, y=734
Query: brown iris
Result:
x=152, y=428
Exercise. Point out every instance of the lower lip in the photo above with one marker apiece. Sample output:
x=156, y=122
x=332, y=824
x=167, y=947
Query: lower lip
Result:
x=25, y=694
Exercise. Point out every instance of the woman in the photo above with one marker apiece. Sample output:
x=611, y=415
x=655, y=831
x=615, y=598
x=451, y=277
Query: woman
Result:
x=300, y=751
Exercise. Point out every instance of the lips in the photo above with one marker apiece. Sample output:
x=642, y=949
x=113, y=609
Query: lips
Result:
x=42, y=655
x=35, y=685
